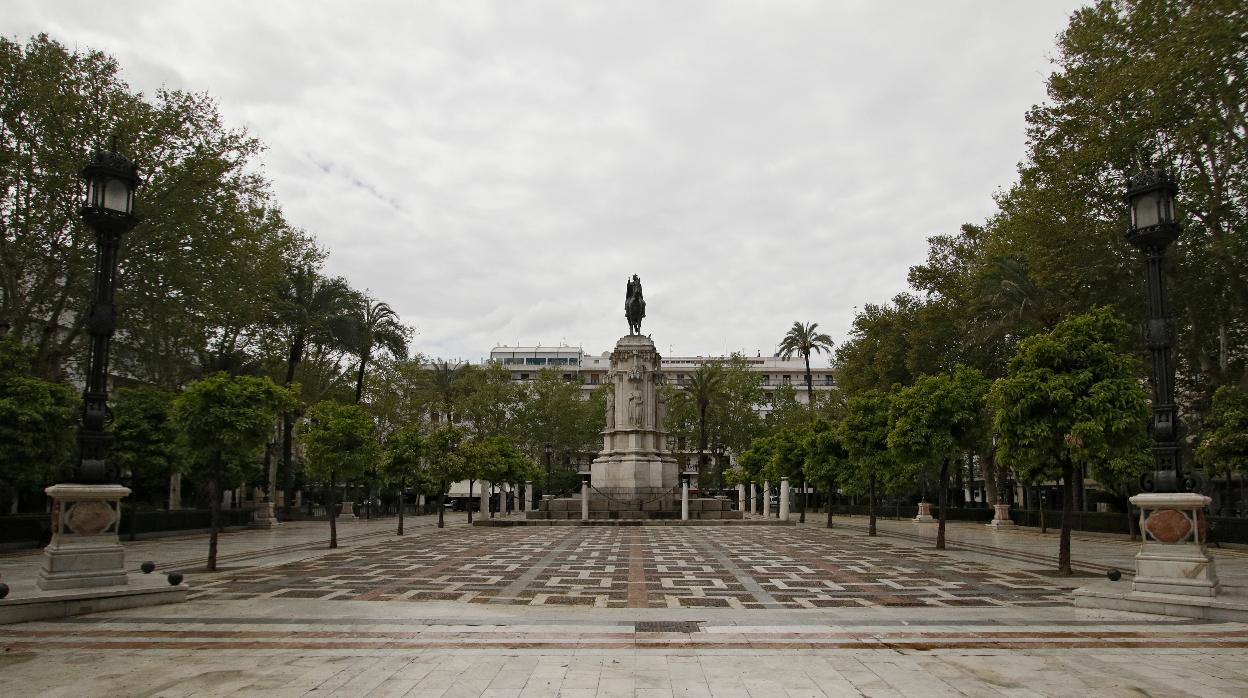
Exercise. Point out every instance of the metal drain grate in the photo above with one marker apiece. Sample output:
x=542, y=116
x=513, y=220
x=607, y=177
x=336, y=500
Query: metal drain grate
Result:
x=668, y=626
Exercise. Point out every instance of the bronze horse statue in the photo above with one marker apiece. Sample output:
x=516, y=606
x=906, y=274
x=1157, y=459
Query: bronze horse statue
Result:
x=634, y=305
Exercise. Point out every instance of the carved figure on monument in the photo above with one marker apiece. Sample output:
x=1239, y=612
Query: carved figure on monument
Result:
x=611, y=413
x=634, y=305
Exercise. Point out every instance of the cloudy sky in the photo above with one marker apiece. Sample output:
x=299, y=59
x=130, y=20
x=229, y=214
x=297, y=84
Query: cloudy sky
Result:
x=497, y=170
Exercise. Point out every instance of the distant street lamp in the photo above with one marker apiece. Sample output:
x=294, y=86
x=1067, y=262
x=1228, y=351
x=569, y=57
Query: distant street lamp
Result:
x=1150, y=199
x=108, y=209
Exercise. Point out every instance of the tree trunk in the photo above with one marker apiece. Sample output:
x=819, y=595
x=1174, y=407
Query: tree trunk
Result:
x=942, y=497
x=470, y=502
x=333, y=510
x=402, y=482
x=960, y=485
x=214, y=521
x=810, y=386
x=829, y=505
x=441, y=506
x=359, y=379
x=1068, y=501
x=871, y=507
x=801, y=514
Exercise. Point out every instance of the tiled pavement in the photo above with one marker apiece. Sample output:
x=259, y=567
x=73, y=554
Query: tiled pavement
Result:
x=674, y=567
x=762, y=612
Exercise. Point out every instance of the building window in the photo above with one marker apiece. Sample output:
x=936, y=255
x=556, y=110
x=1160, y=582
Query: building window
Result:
x=827, y=380
x=766, y=381
x=787, y=379
x=567, y=377
x=593, y=379
x=524, y=376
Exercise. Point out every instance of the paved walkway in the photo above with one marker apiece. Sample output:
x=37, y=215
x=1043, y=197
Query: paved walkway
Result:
x=568, y=611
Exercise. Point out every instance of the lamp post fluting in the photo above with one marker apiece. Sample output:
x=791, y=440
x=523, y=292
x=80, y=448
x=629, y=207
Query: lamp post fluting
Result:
x=108, y=210
x=1150, y=200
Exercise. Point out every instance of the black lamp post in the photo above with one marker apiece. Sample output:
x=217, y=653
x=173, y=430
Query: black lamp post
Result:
x=108, y=209
x=1150, y=198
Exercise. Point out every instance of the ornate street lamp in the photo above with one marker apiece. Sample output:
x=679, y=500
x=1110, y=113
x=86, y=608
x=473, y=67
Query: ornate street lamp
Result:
x=548, y=448
x=108, y=209
x=1150, y=199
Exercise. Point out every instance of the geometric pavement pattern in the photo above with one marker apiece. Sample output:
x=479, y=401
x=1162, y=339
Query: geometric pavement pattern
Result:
x=640, y=567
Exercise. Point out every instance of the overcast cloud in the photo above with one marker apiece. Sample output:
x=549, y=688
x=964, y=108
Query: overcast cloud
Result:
x=496, y=170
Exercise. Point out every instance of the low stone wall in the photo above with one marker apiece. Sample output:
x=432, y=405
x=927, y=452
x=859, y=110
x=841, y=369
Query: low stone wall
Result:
x=602, y=508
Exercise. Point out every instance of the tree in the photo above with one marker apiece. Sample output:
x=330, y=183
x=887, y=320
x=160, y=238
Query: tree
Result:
x=404, y=451
x=755, y=459
x=1224, y=448
x=145, y=439
x=552, y=411
x=827, y=461
x=341, y=445
x=489, y=400
x=935, y=421
x=1072, y=398
x=446, y=385
x=443, y=462
x=374, y=325
x=706, y=387
x=805, y=340
x=225, y=421
x=307, y=309
x=37, y=418
x=202, y=198
x=495, y=459
x=863, y=434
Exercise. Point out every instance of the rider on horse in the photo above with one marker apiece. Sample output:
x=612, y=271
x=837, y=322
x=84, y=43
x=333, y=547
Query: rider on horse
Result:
x=634, y=305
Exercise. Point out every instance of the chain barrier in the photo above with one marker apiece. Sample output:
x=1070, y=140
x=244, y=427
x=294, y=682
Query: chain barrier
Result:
x=656, y=498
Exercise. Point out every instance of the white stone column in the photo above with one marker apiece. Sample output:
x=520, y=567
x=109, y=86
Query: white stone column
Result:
x=85, y=552
x=742, y=502
x=175, y=491
x=767, y=498
x=749, y=502
x=684, y=500
x=584, y=501
x=1173, y=558
x=784, y=499
x=484, y=497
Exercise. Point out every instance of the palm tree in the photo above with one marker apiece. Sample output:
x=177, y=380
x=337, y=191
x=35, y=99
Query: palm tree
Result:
x=308, y=308
x=374, y=326
x=706, y=386
x=446, y=385
x=804, y=340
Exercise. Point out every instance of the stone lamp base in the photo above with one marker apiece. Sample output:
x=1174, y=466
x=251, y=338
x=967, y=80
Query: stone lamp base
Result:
x=85, y=552
x=925, y=513
x=1000, y=516
x=1173, y=559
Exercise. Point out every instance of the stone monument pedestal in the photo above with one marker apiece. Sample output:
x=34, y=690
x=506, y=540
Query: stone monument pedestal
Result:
x=1173, y=559
x=1000, y=516
x=263, y=516
x=634, y=476
x=925, y=513
x=85, y=552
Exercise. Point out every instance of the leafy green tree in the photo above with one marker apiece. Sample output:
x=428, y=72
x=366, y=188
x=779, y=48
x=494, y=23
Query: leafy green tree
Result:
x=306, y=310
x=827, y=462
x=1224, y=448
x=705, y=387
x=404, y=451
x=146, y=441
x=1072, y=398
x=863, y=433
x=446, y=384
x=552, y=411
x=754, y=460
x=373, y=325
x=495, y=459
x=935, y=421
x=37, y=419
x=201, y=192
x=341, y=445
x=490, y=400
x=804, y=340
x=785, y=411
x=225, y=421
x=443, y=462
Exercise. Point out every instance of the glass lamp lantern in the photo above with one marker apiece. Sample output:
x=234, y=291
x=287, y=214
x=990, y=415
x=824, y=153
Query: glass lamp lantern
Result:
x=1150, y=203
x=111, y=180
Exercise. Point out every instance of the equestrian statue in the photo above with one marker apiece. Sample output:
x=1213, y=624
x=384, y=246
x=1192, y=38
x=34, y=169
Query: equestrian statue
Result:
x=634, y=305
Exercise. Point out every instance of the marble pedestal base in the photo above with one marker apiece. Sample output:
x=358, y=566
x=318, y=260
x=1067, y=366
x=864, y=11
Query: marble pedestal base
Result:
x=1000, y=516
x=263, y=517
x=1173, y=559
x=925, y=513
x=85, y=552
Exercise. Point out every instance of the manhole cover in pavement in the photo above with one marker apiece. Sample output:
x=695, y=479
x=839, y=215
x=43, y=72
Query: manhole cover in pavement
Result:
x=665, y=626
